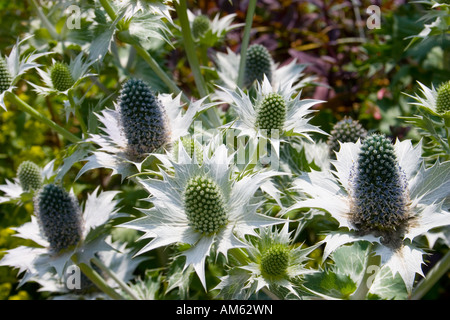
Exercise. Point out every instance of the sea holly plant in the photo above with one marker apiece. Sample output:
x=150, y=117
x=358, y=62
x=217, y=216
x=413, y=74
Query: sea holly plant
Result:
x=203, y=162
x=377, y=194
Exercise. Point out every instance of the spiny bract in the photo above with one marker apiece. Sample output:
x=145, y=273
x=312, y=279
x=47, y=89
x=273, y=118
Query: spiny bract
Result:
x=443, y=98
x=271, y=114
x=143, y=120
x=380, y=190
x=5, y=76
x=200, y=25
x=59, y=217
x=275, y=260
x=345, y=130
x=205, y=205
x=29, y=175
x=61, y=76
x=257, y=64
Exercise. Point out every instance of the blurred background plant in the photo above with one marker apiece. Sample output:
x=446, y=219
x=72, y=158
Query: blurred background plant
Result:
x=368, y=75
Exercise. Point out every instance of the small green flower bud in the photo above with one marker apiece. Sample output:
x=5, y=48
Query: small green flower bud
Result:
x=443, y=98
x=257, y=64
x=30, y=176
x=61, y=76
x=59, y=217
x=275, y=260
x=205, y=205
x=200, y=25
x=346, y=130
x=271, y=114
x=5, y=76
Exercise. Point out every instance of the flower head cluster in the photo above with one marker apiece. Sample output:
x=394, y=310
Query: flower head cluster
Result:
x=258, y=63
x=443, y=98
x=380, y=193
x=29, y=175
x=345, y=130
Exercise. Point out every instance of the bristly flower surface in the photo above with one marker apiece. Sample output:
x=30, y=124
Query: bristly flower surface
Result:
x=345, y=130
x=202, y=206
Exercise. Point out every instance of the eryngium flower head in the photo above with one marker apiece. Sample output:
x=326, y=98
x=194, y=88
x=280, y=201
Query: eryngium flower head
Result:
x=30, y=176
x=5, y=77
x=204, y=204
x=257, y=64
x=143, y=119
x=275, y=260
x=192, y=148
x=59, y=217
x=61, y=76
x=271, y=114
x=346, y=130
x=200, y=25
x=443, y=98
x=380, y=191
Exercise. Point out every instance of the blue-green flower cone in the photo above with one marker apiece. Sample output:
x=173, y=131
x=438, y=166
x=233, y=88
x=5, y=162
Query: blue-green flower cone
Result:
x=61, y=76
x=29, y=175
x=5, y=76
x=345, y=130
x=59, y=217
x=257, y=64
x=443, y=98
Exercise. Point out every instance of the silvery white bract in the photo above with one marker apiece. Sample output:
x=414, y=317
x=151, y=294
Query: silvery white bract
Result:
x=17, y=66
x=113, y=143
x=118, y=260
x=35, y=261
x=295, y=121
x=13, y=190
x=285, y=265
x=169, y=222
x=427, y=188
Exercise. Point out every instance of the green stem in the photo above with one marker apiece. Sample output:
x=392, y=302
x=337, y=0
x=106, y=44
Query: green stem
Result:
x=113, y=276
x=48, y=25
x=34, y=113
x=77, y=112
x=364, y=286
x=126, y=37
x=192, y=57
x=246, y=40
x=97, y=280
x=109, y=9
x=432, y=277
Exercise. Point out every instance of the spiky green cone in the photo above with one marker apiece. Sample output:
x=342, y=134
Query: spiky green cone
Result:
x=143, y=120
x=271, y=114
x=5, y=76
x=275, y=260
x=443, y=98
x=205, y=205
x=192, y=148
x=61, y=76
x=380, y=201
x=59, y=217
x=346, y=130
x=200, y=25
x=29, y=175
x=257, y=64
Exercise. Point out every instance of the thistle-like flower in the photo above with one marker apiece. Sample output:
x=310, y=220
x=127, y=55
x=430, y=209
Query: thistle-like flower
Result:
x=61, y=78
x=200, y=25
x=141, y=124
x=273, y=262
x=435, y=102
x=274, y=114
x=383, y=194
x=201, y=205
x=13, y=67
x=60, y=229
x=345, y=130
x=30, y=178
x=259, y=63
